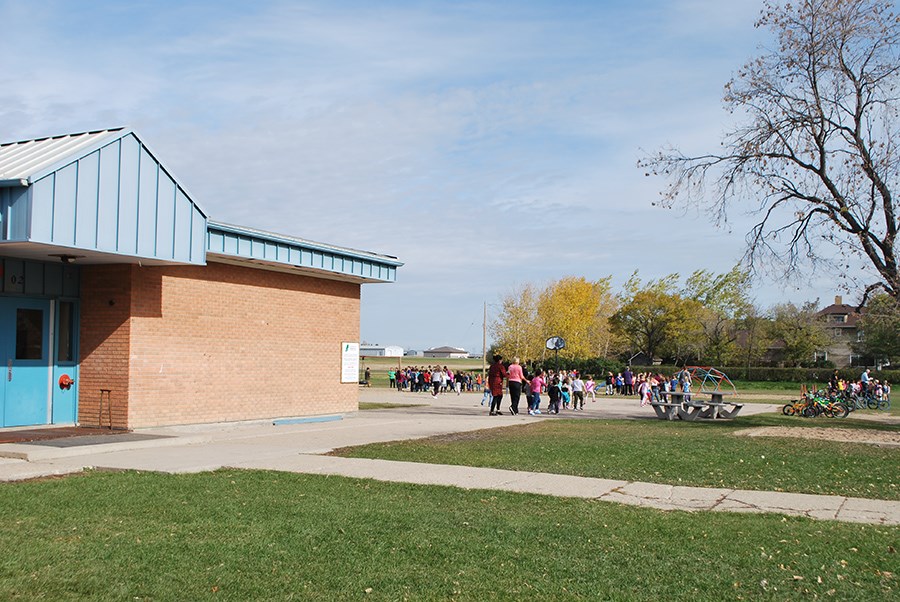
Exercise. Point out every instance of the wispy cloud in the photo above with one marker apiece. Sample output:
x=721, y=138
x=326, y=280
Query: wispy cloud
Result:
x=484, y=143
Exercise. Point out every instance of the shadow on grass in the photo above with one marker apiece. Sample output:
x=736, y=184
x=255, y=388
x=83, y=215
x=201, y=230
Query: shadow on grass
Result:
x=759, y=420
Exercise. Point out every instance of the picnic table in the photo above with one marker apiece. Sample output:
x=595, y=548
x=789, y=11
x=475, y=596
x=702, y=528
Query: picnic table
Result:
x=690, y=406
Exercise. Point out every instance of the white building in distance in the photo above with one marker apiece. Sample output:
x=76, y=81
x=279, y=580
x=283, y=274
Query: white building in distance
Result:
x=380, y=350
x=447, y=352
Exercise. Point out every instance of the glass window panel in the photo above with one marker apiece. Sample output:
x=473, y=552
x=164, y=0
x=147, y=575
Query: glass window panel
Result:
x=29, y=334
x=66, y=351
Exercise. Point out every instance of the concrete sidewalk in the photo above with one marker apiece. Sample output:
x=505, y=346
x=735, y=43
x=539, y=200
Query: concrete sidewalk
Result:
x=298, y=448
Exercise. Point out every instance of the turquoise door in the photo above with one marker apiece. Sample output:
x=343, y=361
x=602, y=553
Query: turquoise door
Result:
x=25, y=357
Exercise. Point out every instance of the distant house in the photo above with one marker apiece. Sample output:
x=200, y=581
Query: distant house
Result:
x=642, y=359
x=841, y=320
x=414, y=353
x=381, y=350
x=446, y=352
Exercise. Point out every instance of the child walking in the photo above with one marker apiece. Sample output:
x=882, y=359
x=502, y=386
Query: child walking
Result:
x=578, y=393
x=589, y=386
x=534, y=400
x=555, y=395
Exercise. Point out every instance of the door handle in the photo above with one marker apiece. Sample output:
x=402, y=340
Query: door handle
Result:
x=9, y=370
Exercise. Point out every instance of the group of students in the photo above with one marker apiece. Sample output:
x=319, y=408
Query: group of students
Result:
x=437, y=379
x=567, y=390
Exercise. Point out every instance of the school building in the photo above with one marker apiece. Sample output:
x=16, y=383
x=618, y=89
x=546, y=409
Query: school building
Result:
x=122, y=304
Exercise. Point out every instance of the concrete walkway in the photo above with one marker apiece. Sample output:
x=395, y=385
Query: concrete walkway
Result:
x=299, y=448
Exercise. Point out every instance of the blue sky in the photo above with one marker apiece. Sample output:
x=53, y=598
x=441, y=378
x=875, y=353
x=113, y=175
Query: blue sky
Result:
x=485, y=144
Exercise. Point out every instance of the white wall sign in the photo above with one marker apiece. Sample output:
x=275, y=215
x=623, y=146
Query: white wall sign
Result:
x=349, y=362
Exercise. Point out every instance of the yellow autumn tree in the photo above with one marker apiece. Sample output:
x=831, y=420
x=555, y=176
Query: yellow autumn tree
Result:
x=516, y=331
x=578, y=311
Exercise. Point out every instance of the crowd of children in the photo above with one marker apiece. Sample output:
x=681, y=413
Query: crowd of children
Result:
x=567, y=390
x=437, y=379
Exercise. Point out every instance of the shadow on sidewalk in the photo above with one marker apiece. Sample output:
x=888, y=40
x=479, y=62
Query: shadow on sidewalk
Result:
x=55, y=432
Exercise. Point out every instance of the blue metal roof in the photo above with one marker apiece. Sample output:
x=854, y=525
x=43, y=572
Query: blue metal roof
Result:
x=256, y=246
x=103, y=197
x=97, y=194
x=23, y=162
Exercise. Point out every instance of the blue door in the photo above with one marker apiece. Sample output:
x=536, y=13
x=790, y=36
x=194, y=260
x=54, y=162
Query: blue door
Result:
x=25, y=357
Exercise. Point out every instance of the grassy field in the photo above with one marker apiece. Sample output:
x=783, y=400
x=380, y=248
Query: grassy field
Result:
x=258, y=535
x=254, y=535
x=679, y=453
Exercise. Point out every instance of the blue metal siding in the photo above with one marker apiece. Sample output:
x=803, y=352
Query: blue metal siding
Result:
x=86, y=201
x=129, y=180
x=13, y=276
x=165, y=216
x=253, y=244
x=181, y=249
x=146, y=224
x=41, y=193
x=34, y=278
x=13, y=213
x=104, y=191
x=63, y=218
x=39, y=278
x=71, y=282
x=117, y=199
x=108, y=199
x=198, y=235
x=53, y=279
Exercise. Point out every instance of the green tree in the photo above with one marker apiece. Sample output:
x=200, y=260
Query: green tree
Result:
x=817, y=147
x=880, y=326
x=799, y=330
x=722, y=301
x=653, y=317
x=753, y=340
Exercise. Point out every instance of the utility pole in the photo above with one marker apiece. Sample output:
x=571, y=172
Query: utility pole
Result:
x=484, y=345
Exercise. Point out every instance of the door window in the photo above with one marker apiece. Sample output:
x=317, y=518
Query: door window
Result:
x=29, y=334
x=66, y=351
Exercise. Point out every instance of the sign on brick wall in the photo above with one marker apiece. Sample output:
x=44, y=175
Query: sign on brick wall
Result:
x=349, y=362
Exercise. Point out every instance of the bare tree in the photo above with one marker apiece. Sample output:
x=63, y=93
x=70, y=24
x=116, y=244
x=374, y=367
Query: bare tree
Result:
x=816, y=156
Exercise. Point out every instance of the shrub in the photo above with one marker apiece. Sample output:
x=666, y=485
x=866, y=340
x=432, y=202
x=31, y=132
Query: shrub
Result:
x=796, y=375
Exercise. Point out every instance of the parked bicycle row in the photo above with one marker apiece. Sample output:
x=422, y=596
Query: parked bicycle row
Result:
x=834, y=403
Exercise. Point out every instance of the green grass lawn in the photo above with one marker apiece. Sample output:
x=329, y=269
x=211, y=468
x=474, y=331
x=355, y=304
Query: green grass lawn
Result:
x=701, y=454
x=255, y=535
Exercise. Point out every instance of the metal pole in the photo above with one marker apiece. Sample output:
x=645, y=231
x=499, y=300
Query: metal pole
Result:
x=484, y=345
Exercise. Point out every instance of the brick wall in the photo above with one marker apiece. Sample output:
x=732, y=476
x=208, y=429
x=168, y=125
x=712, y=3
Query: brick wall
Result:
x=104, y=344
x=225, y=343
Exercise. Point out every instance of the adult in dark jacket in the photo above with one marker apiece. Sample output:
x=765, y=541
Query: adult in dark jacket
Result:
x=496, y=374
